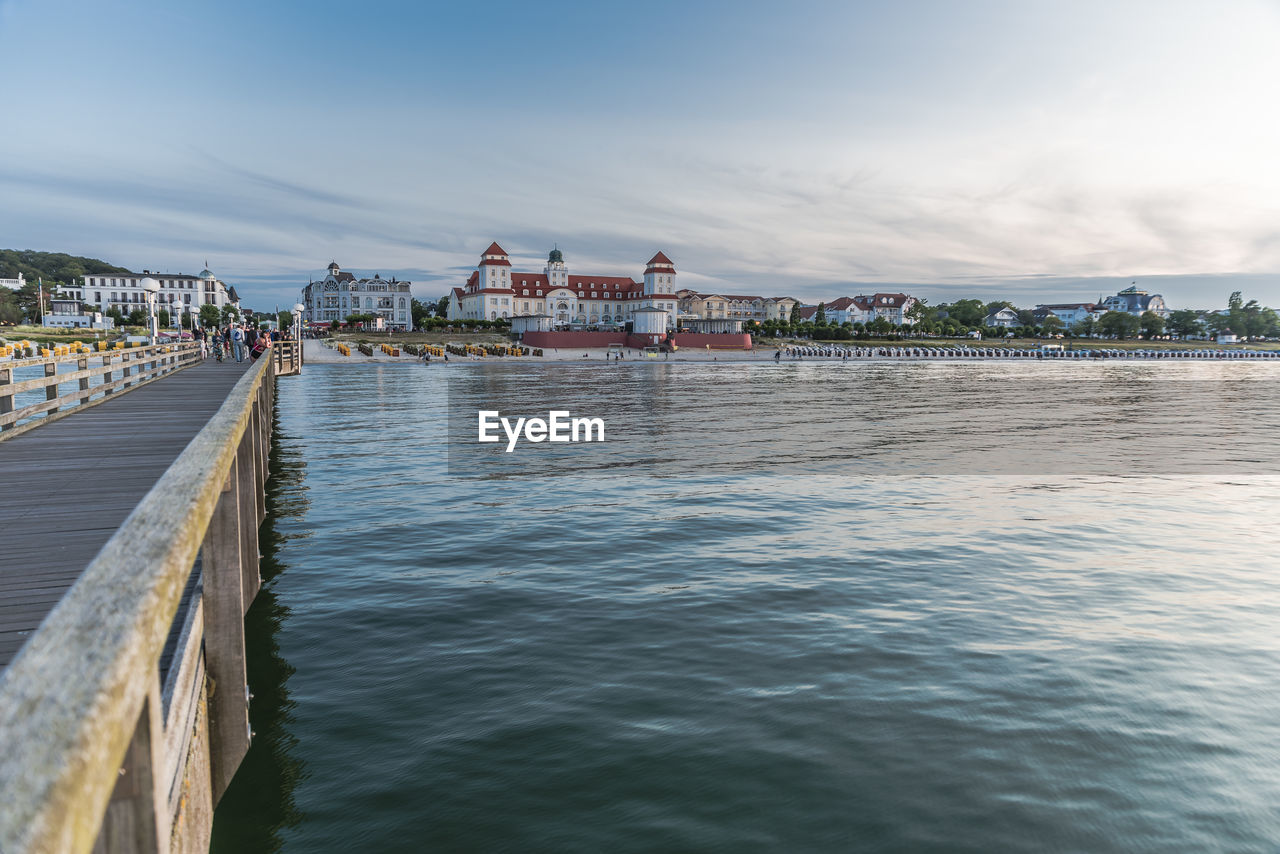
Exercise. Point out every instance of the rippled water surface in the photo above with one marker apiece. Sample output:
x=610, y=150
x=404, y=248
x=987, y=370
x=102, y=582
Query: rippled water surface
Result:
x=785, y=659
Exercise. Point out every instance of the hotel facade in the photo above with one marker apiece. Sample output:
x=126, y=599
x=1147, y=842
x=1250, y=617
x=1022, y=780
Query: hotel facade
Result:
x=718, y=306
x=565, y=300
x=178, y=292
x=340, y=294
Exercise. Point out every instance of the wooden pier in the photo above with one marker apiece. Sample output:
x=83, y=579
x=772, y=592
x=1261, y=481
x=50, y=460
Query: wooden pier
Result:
x=128, y=559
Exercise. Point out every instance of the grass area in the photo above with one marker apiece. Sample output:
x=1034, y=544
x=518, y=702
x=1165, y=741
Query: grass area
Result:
x=51, y=335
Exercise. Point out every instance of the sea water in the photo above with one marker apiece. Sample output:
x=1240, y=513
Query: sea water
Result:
x=838, y=647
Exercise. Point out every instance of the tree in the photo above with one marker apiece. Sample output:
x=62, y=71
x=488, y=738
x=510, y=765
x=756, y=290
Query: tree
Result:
x=820, y=316
x=114, y=313
x=187, y=320
x=163, y=319
x=419, y=311
x=442, y=306
x=1152, y=324
x=1026, y=317
x=137, y=317
x=920, y=313
x=1052, y=324
x=54, y=267
x=1084, y=326
x=1218, y=323
x=1235, y=302
x=795, y=314
x=230, y=314
x=1185, y=323
x=285, y=319
x=967, y=312
x=1118, y=324
x=10, y=313
x=209, y=316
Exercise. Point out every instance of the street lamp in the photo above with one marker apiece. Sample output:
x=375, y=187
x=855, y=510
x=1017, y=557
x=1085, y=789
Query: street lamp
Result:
x=297, y=322
x=152, y=287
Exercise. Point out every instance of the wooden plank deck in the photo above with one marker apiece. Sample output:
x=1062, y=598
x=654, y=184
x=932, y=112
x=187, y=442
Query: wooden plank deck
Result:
x=66, y=486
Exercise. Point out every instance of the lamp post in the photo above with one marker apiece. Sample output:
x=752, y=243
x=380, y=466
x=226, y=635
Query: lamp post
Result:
x=297, y=322
x=152, y=287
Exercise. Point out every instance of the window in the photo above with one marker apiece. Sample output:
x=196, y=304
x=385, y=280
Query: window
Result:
x=581, y=294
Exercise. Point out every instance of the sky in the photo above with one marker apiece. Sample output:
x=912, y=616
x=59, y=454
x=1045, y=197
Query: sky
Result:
x=1037, y=152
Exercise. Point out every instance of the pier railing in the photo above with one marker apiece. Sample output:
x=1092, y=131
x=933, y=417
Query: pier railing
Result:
x=95, y=753
x=118, y=370
x=288, y=356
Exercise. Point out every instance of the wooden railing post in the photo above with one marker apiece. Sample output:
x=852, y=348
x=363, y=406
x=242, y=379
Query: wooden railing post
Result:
x=128, y=369
x=51, y=390
x=246, y=486
x=83, y=365
x=224, y=646
x=6, y=400
x=134, y=822
x=106, y=375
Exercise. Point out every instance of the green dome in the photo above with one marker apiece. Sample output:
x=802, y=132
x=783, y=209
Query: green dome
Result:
x=555, y=256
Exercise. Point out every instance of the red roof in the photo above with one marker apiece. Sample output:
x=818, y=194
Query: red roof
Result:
x=494, y=249
x=660, y=259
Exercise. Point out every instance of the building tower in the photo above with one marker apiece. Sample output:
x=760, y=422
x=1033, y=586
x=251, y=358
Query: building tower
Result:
x=660, y=286
x=495, y=266
x=334, y=269
x=556, y=272
x=660, y=276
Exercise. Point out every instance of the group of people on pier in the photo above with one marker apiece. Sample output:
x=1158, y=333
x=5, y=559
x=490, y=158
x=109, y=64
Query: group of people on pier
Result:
x=235, y=341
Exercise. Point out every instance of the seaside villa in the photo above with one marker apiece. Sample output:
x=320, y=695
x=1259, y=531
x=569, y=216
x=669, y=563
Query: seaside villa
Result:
x=340, y=294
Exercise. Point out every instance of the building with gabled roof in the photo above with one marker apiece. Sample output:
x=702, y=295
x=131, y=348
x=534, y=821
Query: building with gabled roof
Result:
x=725, y=306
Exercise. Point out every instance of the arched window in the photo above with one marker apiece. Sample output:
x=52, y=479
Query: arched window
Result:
x=402, y=302
x=368, y=302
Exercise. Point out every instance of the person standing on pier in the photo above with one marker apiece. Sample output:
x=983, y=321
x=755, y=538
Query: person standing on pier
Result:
x=237, y=342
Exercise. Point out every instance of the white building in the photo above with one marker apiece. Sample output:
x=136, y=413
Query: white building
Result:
x=1003, y=319
x=744, y=307
x=178, y=292
x=496, y=292
x=67, y=314
x=340, y=294
x=1133, y=300
x=13, y=284
x=864, y=309
x=1069, y=313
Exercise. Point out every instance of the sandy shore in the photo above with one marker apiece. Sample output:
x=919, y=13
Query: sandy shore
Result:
x=315, y=352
